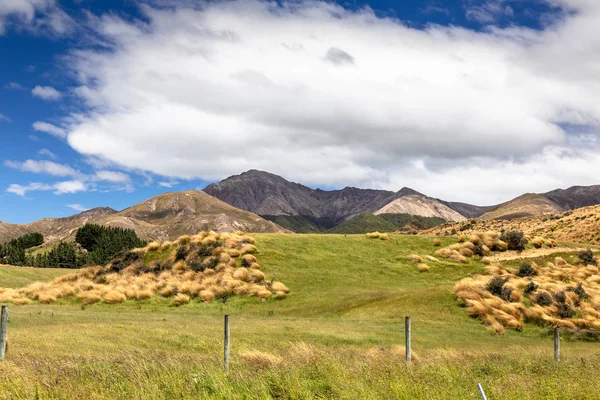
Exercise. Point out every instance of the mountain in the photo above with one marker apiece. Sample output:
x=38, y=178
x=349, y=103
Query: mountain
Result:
x=163, y=217
x=411, y=202
x=555, y=201
x=581, y=225
x=271, y=196
x=467, y=210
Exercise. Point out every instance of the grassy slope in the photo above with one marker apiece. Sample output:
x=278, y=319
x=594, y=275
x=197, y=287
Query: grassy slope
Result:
x=15, y=277
x=349, y=294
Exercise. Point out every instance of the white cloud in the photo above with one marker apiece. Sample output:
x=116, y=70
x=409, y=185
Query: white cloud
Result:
x=43, y=167
x=47, y=153
x=112, y=176
x=69, y=187
x=46, y=93
x=54, y=130
x=36, y=16
x=4, y=118
x=78, y=207
x=446, y=98
x=168, y=184
x=22, y=190
x=15, y=86
x=66, y=187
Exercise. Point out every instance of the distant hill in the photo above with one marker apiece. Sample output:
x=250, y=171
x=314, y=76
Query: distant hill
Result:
x=581, y=225
x=367, y=222
x=555, y=201
x=308, y=209
x=163, y=217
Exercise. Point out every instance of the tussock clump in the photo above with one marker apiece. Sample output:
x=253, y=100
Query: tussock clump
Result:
x=437, y=242
x=415, y=259
x=424, y=268
x=207, y=266
x=262, y=359
x=562, y=295
x=374, y=235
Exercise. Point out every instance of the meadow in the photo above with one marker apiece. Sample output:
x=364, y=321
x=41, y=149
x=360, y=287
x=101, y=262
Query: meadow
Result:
x=335, y=336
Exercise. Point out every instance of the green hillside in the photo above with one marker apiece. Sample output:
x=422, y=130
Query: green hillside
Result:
x=362, y=223
x=334, y=337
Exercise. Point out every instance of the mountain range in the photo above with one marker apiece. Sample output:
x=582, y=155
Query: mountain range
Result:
x=162, y=217
x=257, y=201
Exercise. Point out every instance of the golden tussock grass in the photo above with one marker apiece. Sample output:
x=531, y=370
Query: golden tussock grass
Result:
x=432, y=259
x=212, y=268
x=415, y=259
x=437, y=242
x=558, y=294
x=262, y=359
x=424, y=267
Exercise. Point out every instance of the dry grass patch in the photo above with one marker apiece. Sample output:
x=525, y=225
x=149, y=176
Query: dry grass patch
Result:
x=555, y=294
x=424, y=267
x=262, y=359
x=206, y=266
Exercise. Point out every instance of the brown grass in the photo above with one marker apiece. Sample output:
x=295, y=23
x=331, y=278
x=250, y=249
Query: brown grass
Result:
x=520, y=305
x=424, y=268
x=262, y=359
x=230, y=268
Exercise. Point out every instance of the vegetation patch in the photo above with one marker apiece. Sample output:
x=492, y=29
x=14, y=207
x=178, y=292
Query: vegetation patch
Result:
x=555, y=294
x=207, y=266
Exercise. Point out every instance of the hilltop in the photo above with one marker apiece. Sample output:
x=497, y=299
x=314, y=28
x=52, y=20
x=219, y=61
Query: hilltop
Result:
x=162, y=217
x=271, y=195
x=581, y=225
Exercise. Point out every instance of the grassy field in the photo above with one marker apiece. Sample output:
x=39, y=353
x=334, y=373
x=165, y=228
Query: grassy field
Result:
x=335, y=336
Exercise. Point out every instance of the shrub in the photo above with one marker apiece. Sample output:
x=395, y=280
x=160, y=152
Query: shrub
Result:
x=560, y=297
x=543, y=299
x=530, y=288
x=495, y=285
x=515, y=240
x=564, y=311
x=182, y=252
x=478, y=250
x=526, y=270
x=587, y=257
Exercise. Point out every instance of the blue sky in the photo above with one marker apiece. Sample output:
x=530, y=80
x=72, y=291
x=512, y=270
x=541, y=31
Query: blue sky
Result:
x=107, y=103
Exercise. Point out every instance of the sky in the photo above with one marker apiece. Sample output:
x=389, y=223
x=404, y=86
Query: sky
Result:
x=107, y=103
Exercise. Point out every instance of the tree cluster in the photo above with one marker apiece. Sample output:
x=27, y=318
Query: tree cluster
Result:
x=13, y=252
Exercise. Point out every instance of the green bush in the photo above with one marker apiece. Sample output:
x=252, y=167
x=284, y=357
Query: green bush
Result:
x=525, y=270
x=587, y=257
x=515, y=240
x=543, y=299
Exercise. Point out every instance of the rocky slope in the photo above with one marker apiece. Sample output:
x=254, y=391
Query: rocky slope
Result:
x=163, y=217
x=267, y=194
x=411, y=202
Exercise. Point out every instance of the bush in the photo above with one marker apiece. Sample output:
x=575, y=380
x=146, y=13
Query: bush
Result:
x=564, y=311
x=478, y=250
x=560, y=297
x=515, y=240
x=526, y=270
x=543, y=299
x=496, y=287
x=587, y=257
x=530, y=288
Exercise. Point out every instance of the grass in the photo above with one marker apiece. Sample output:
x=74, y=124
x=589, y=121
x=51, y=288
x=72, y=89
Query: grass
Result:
x=335, y=334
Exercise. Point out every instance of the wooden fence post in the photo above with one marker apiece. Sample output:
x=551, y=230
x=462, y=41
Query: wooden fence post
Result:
x=481, y=392
x=3, y=330
x=557, y=344
x=407, y=336
x=226, y=344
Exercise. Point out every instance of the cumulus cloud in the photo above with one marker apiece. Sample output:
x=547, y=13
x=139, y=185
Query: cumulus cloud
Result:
x=78, y=207
x=36, y=16
x=54, y=130
x=69, y=187
x=46, y=93
x=210, y=92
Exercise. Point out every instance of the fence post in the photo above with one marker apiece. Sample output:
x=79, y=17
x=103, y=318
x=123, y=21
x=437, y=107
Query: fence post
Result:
x=226, y=344
x=3, y=330
x=407, y=335
x=481, y=392
x=557, y=344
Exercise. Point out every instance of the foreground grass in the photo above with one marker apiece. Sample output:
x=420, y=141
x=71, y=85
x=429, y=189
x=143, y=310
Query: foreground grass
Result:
x=335, y=334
